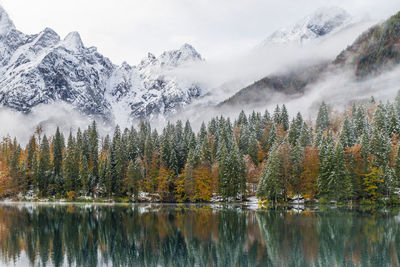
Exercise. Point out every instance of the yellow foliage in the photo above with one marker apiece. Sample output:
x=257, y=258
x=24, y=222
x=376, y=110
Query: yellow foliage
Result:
x=71, y=195
x=371, y=181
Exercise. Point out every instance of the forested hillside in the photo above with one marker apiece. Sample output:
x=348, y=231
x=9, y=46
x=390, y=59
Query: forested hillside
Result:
x=350, y=155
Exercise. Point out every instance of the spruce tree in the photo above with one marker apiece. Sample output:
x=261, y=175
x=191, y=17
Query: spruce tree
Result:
x=44, y=168
x=94, y=153
x=284, y=118
x=277, y=115
x=339, y=181
x=84, y=176
x=326, y=167
x=252, y=150
x=71, y=166
x=347, y=136
x=270, y=185
x=133, y=176
x=323, y=120
x=397, y=168
x=297, y=157
x=380, y=148
x=58, y=147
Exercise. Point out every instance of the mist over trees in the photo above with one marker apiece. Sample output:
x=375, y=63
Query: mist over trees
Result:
x=351, y=155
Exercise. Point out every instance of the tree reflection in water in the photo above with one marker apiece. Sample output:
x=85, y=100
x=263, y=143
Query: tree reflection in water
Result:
x=189, y=235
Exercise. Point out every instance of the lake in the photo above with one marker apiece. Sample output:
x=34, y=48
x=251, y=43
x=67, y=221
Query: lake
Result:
x=195, y=235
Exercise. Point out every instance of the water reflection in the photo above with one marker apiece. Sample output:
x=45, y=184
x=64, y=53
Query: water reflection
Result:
x=170, y=235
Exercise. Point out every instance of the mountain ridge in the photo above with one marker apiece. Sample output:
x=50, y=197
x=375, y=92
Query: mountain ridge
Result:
x=372, y=53
x=43, y=68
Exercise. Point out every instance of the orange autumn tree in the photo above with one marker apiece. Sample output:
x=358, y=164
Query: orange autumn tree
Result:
x=310, y=173
x=165, y=183
x=202, y=181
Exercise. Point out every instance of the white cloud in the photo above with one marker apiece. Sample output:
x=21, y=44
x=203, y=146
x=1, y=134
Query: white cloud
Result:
x=128, y=29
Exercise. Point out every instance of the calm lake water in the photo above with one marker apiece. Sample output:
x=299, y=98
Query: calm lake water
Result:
x=190, y=235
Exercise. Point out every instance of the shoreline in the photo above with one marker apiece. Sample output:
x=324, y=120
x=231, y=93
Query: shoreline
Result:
x=251, y=203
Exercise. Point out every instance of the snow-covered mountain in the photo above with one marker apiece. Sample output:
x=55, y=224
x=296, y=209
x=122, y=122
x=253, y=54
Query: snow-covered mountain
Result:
x=322, y=22
x=43, y=68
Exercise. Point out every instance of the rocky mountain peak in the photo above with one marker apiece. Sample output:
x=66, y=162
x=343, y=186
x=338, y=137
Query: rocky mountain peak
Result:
x=73, y=42
x=320, y=23
x=6, y=24
x=173, y=58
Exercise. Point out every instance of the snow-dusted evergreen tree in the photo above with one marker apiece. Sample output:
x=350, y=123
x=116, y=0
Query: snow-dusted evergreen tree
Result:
x=397, y=168
x=284, y=118
x=252, y=150
x=305, y=136
x=323, y=119
x=277, y=115
x=339, y=184
x=360, y=121
x=266, y=119
x=270, y=185
x=244, y=138
x=44, y=168
x=273, y=136
x=389, y=181
x=297, y=157
x=293, y=133
x=380, y=148
x=326, y=156
x=380, y=119
x=393, y=126
x=242, y=120
x=347, y=136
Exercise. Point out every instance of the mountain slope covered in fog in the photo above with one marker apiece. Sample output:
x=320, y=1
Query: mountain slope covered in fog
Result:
x=374, y=52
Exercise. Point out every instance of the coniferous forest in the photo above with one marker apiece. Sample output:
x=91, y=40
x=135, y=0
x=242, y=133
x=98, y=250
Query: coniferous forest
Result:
x=341, y=156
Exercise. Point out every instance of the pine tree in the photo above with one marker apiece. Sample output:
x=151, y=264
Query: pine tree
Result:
x=393, y=126
x=94, y=153
x=347, y=136
x=270, y=185
x=31, y=162
x=252, y=150
x=389, y=181
x=266, y=119
x=380, y=118
x=223, y=172
x=277, y=115
x=206, y=154
x=360, y=122
x=84, y=176
x=284, y=118
x=305, y=136
x=380, y=148
x=242, y=120
x=326, y=168
x=44, y=169
x=297, y=157
x=71, y=166
x=114, y=177
x=397, y=168
x=133, y=176
x=293, y=133
x=58, y=147
x=323, y=120
x=339, y=180
x=244, y=139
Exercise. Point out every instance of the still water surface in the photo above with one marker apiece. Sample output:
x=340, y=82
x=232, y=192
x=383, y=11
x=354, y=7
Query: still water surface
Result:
x=191, y=235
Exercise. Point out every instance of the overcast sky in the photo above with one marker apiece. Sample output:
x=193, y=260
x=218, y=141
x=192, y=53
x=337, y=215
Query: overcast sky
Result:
x=125, y=30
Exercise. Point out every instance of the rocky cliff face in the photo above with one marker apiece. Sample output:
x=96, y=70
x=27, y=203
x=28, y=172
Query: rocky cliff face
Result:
x=43, y=68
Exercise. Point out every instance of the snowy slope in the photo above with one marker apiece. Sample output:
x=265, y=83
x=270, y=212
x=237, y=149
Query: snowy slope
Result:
x=322, y=22
x=42, y=68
